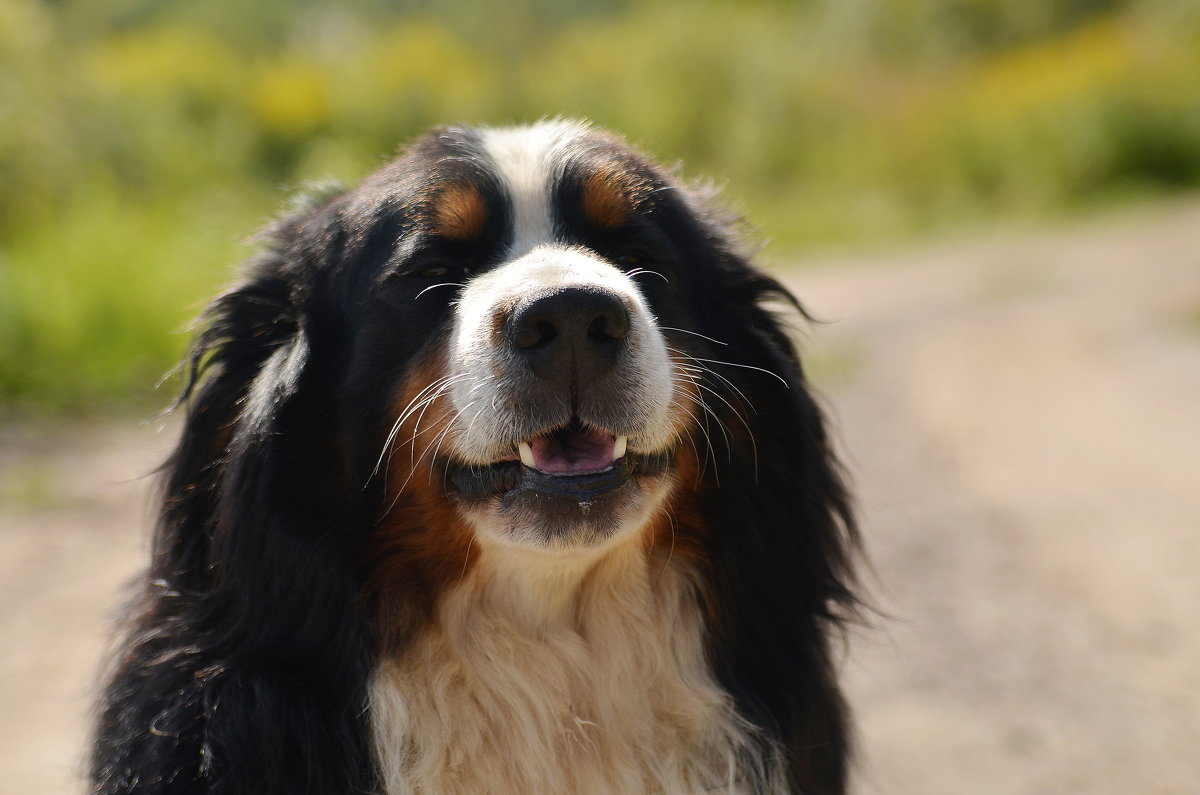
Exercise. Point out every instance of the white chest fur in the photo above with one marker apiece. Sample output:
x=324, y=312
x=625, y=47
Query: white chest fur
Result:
x=544, y=678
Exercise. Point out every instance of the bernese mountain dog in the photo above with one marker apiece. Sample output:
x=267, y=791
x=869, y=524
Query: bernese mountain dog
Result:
x=499, y=474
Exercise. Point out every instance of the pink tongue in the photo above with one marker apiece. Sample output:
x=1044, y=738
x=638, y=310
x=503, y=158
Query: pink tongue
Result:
x=573, y=452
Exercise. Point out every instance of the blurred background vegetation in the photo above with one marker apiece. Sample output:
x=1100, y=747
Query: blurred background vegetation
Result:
x=141, y=142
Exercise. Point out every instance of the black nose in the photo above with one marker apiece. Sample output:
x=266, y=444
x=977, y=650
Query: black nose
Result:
x=570, y=337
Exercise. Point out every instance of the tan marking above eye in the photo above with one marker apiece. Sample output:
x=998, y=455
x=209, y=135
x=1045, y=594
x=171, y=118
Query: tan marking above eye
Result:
x=606, y=198
x=459, y=212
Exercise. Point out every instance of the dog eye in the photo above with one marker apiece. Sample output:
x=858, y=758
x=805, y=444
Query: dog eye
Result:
x=632, y=258
x=432, y=269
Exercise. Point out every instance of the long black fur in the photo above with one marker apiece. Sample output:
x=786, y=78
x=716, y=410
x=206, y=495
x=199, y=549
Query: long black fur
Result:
x=246, y=654
x=244, y=667
x=779, y=577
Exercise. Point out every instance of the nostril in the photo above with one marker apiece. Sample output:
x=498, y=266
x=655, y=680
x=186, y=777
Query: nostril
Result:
x=534, y=333
x=609, y=326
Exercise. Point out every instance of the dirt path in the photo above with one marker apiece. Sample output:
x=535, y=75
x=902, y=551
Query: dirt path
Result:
x=72, y=532
x=1022, y=419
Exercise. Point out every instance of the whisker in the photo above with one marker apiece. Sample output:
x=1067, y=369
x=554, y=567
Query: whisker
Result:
x=696, y=373
x=417, y=424
x=442, y=384
x=692, y=443
x=720, y=425
x=680, y=394
x=702, y=367
x=482, y=383
x=670, y=552
x=467, y=432
x=639, y=271
x=696, y=333
x=413, y=405
x=466, y=556
x=478, y=411
x=433, y=286
x=711, y=453
x=746, y=425
x=748, y=367
x=441, y=435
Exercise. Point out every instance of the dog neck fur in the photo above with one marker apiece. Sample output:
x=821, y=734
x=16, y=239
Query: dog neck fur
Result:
x=541, y=674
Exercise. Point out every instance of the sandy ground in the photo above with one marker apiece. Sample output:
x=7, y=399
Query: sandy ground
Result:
x=1021, y=418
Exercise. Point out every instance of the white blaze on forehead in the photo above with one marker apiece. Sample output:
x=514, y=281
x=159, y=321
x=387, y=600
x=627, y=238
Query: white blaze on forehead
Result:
x=528, y=161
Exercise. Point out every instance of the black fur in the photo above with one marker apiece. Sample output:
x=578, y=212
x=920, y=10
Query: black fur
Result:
x=247, y=652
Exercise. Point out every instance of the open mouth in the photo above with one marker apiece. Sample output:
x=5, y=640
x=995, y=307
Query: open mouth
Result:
x=573, y=450
x=577, y=462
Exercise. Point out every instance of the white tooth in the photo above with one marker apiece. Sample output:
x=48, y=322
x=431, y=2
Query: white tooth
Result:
x=526, y=454
x=619, y=447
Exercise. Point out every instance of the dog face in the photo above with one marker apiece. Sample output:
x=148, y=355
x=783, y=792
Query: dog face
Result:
x=520, y=318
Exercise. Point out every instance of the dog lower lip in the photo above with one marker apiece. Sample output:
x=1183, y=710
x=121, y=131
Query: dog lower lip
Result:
x=507, y=477
x=569, y=489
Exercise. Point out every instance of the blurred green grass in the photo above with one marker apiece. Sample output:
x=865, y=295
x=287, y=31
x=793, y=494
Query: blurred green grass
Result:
x=141, y=142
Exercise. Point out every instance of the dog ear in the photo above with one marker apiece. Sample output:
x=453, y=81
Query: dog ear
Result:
x=782, y=568
x=241, y=330
x=781, y=530
x=246, y=363
x=255, y=548
x=253, y=495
